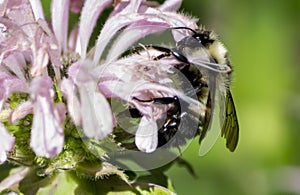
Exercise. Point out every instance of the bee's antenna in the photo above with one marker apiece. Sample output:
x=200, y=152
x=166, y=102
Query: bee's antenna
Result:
x=186, y=28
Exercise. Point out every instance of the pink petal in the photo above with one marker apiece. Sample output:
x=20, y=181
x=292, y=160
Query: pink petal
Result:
x=6, y=144
x=21, y=14
x=119, y=5
x=132, y=7
x=110, y=28
x=47, y=136
x=8, y=85
x=98, y=120
x=179, y=20
x=133, y=33
x=44, y=48
x=76, y=5
x=40, y=55
x=68, y=88
x=12, y=39
x=37, y=9
x=17, y=64
x=60, y=18
x=143, y=5
x=20, y=112
x=60, y=113
x=89, y=15
x=73, y=38
x=146, y=135
x=13, y=180
x=79, y=71
x=50, y=43
x=3, y=7
x=127, y=16
x=140, y=24
x=118, y=89
x=170, y=5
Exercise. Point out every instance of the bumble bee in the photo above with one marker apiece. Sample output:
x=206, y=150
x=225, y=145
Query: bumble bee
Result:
x=203, y=60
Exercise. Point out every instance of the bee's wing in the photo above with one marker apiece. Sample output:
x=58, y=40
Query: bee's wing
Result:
x=217, y=82
x=211, y=128
x=207, y=119
x=217, y=78
x=230, y=128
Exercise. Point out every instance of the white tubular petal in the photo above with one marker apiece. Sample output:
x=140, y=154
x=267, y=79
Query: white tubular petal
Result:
x=146, y=135
x=110, y=28
x=60, y=18
x=170, y=5
x=127, y=16
x=20, y=112
x=89, y=15
x=6, y=144
x=69, y=90
x=97, y=120
x=37, y=9
x=133, y=33
x=47, y=136
x=13, y=179
x=8, y=85
x=16, y=63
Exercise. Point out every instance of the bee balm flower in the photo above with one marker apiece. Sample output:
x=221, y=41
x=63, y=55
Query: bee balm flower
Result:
x=54, y=88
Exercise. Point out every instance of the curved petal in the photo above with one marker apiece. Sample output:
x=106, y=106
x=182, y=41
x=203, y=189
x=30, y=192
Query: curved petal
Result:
x=170, y=5
x=73, y=39
x=20, y=112
x=133, y=33
x=89, y=15
x=17, y=64
x=68, y=88
x=96, y=115
x=47, y=136
x=76, y=5
x=37, y=9
x=14, y=179
x=146, y=138
x=8, y=85
x=6, y=144
x=60, y=18
x=127, y=16
x=98, y=120
x=3, y=5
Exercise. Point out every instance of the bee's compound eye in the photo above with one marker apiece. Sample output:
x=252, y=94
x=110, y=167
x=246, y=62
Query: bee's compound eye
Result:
x=198, y=37
x=203, y=37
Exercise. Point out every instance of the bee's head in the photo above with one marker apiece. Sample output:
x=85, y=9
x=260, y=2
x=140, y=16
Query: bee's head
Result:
x=209, y=40
x=204, y=37
x=215, y=48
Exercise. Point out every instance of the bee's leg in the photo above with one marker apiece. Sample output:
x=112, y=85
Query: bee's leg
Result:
x=135, y=113
x=170, y=52
x=180, y=57
x=173, y=114
x=166, y=52
x=162, y=100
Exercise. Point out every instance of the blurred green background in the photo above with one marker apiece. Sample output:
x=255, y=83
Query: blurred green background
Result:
x=262, y=37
